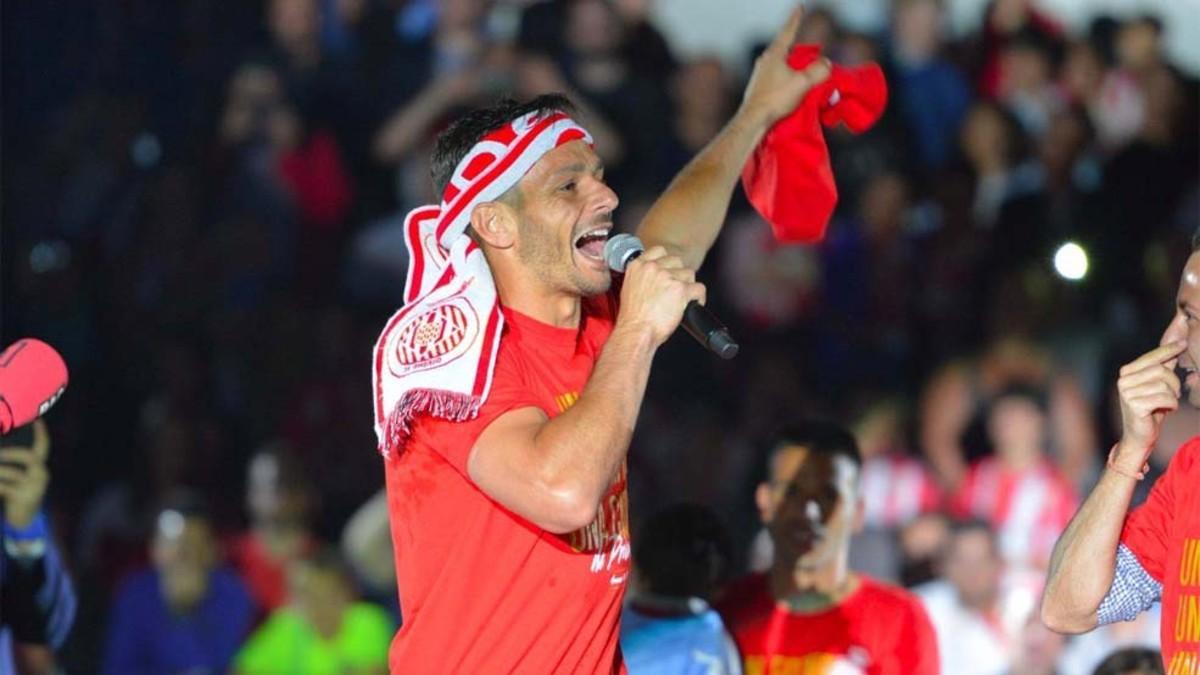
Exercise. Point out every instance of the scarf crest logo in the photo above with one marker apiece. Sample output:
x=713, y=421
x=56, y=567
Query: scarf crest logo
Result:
x=434, y=337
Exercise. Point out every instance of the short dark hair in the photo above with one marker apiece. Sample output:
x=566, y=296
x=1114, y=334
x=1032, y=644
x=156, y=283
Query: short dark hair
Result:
x=187, y=503
x=964, y=526
x=1034, y=394
x=1196, y=240
x=1153, y=20
x=820, y=437
x=683, y=551
x=327, y=558
x=1131, y=661
x=457, y=140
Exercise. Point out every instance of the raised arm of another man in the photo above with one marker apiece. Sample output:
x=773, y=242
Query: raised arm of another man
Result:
x=687, y=218
x=1088, y=568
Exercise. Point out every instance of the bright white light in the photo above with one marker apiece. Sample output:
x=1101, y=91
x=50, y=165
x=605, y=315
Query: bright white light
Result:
x=1071, y=261
x=170, y=524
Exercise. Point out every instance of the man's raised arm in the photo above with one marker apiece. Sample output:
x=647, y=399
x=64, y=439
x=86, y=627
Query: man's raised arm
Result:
x=687, y=218
x=1084, y=563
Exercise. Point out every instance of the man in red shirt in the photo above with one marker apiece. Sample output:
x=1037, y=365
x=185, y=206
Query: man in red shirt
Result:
x=810, y=613
x=1109, y=566
x=508, y=507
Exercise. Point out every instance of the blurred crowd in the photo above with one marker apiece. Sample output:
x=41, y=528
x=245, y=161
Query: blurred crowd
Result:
x=203, y=210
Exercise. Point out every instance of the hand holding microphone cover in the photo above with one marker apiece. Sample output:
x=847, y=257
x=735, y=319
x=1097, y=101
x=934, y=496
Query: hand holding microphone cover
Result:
x=697, y=321
x=32, y=377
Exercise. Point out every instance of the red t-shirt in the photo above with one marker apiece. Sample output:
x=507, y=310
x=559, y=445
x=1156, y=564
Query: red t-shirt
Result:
x=877, y=630
x=483, y=590
x=1164, y=534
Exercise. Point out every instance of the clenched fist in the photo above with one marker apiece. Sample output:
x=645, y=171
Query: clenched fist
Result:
x=656, y=290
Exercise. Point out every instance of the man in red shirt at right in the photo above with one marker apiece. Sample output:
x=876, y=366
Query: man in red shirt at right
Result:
x=809, y=613
x=1109, y=566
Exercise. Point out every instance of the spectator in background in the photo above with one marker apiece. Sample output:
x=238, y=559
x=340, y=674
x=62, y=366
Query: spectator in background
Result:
x=922, y=542
x=1152, y=172
x=35, y=589
x=772, y=286
x=444, y=63
x=967, y=604
x=1004, y=21
x=810, y=610
x=957, y=397
x=1139, y=45
x=645, y=45
x=322, y=85
x=1114, y=100
x=287, y=168
x=896, y=489
x=323, y=630
x=932, y=93
x=995, y=149
x=1039, y=650
x=1131, y=662
x=1027, y=86
x=174, y=453
x=1018, y=490
x=703, y=99
x=870, y=269
x=681, y=560
x=187, y=613
x=597, y=65
x=279, y=500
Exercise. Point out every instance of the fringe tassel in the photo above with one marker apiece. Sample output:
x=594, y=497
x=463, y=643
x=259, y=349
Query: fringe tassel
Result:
x=448, y=405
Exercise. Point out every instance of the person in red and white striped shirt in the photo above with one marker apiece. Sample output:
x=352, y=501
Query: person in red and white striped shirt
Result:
x=1018, y=489
x=896, y=488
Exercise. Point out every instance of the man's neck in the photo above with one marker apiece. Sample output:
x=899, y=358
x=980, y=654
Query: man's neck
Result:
x=550, y=307
x=819, y=595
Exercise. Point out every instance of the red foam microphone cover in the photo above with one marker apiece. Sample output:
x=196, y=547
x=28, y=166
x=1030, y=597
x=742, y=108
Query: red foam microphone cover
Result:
x=32, y=377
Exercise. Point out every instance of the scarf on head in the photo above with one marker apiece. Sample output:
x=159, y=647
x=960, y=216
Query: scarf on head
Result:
x=437, y=353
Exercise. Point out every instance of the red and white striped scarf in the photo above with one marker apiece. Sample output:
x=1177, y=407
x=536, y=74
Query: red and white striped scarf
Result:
x=437, y=353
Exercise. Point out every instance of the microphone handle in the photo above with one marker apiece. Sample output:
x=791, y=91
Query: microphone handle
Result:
x=709, y=331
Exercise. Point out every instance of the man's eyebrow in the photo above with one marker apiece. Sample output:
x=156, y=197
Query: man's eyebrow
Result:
x=578, y=167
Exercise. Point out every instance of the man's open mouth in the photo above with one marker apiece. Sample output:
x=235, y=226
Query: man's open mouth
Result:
x=591, y=243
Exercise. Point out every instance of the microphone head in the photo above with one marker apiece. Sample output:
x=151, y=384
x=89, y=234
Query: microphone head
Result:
x=619, y=250
x=32, y=377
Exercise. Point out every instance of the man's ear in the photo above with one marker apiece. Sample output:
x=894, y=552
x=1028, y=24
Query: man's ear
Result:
x=860, y=515
x=495, y=223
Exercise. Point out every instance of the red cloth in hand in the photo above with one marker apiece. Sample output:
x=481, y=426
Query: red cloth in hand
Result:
x=788, y=178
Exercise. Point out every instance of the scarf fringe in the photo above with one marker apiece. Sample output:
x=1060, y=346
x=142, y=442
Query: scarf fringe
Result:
x=443, y=404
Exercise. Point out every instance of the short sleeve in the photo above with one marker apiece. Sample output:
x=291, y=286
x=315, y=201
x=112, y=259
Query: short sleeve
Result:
x=1147, y=528
x=453, y=440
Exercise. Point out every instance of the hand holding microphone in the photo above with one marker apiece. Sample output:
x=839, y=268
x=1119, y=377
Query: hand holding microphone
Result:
x=660, y=291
